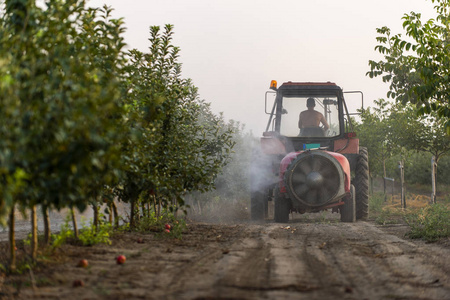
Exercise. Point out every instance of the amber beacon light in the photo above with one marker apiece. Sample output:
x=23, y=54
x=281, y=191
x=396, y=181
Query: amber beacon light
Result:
x=273, y=85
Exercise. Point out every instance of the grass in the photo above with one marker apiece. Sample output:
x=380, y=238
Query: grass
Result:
x=429, y=222
x=88, y=234
x=446, y=199
x=157, y=224
x=382, y=213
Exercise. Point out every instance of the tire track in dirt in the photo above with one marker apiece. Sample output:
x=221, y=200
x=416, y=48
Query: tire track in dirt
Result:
x=358, y=261
x=298, y=260
x=318, y=261
x=393, y=267
x=232, y=272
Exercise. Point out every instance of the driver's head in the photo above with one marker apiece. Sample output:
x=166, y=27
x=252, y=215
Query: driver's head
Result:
x=310, y=102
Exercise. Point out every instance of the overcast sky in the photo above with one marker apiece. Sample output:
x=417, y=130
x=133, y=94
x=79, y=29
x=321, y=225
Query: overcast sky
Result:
x=231, y=49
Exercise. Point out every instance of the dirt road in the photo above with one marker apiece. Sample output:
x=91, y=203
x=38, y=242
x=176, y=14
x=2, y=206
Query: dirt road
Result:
x=299, y=260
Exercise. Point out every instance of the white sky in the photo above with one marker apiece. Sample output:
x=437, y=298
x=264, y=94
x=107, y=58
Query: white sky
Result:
x=231, y=49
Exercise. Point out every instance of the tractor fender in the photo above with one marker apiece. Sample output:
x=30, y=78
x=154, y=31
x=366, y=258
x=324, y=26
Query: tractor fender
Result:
x=343, y=161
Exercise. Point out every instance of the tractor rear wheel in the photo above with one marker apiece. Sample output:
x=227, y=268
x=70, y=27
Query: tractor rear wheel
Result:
x=348, y=212
x=362, y=184
x=282, y=208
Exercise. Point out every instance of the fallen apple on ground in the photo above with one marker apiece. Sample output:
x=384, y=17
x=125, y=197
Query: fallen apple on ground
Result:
x=121, y=259
x=83, y=263
x=167, y=226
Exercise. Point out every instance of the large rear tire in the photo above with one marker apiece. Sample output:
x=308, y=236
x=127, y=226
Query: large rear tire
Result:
x=282, y=208
x=362, y=184
x=348, y=211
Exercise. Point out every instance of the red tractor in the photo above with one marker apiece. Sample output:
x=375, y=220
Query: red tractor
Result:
x=310, y=159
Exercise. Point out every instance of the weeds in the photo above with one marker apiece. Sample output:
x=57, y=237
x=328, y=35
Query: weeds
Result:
x=88, y=236
x=446, y=199
x=158, y=224
x=65, y=233
x=25, y=266
x=376, y=203
x=323, y=217
x=391, y=215
x=430, y=223
x=380, y=213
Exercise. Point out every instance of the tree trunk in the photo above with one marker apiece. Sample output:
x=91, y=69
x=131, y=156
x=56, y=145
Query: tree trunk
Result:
x=95, y=208
x=34, y=233
x=47, y=229
x=74, y=222
x=132, y=217
x=12, y=240
x=116, y=215
x=159, y=208
x=402, y=180
x=433, y=179
x=110, y=214
x=143, y=209
x=176, y=208
x=384, y=180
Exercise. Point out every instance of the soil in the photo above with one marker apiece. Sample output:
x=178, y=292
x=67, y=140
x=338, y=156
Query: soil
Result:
x=311, y=257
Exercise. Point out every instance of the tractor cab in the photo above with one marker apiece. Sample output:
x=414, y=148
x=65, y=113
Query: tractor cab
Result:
x=309, y=115
x=310, y=159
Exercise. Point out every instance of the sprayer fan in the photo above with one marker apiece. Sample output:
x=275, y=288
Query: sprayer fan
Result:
x=313, y=178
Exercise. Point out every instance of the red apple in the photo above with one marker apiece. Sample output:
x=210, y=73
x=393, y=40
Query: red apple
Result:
x=121, y=259
x=167, y=226
x=83, y=263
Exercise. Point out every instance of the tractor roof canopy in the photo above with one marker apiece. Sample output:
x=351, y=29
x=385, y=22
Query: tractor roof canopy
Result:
x=309, y=88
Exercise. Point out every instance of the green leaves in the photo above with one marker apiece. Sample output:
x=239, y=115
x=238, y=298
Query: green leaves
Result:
x=417, y=68
x=429, y=223
x=397, y=129
x=79, y=114
x=179, y=145
x=61, y=103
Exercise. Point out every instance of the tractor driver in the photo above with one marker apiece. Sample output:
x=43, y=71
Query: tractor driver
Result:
x=310, y=119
